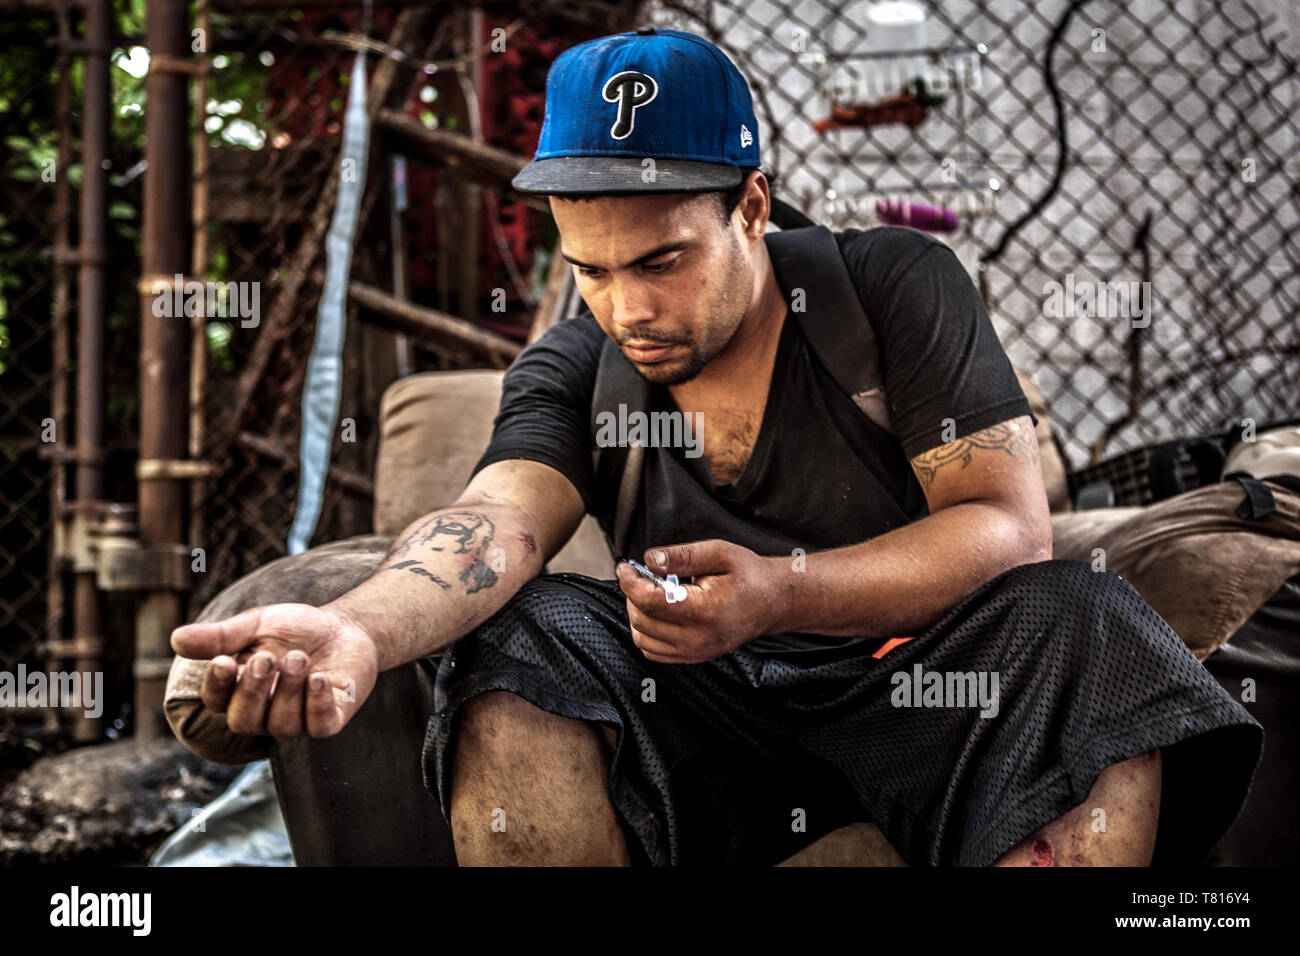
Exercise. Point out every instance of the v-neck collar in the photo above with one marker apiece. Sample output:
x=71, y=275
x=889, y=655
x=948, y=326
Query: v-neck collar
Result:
x=743, y=483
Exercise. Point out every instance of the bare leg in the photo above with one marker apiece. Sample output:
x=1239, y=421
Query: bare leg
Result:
x=1115, y=826
x=529, y=788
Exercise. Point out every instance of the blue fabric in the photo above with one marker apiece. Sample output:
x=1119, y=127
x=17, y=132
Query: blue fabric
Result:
x=666, y=94
x=242, y=827
x=320, y=393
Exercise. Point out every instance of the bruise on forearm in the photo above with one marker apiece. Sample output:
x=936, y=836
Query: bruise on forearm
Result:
x=1020, y=443
x=465, y=537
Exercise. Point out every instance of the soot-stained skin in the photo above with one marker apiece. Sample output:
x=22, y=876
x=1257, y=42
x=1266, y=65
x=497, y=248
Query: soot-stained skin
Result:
x=465, y=534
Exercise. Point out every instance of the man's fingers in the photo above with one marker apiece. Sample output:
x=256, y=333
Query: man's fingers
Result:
x=209, y=639
x=284, y=717
x=655, y=649
x=649, y=597
x=713, y=556
x=219, y=684
x=637, y=589
x=676, y=635
x=247, y=711
x=324, y=709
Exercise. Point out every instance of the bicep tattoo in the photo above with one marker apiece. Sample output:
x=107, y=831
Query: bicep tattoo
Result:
x=1016, y=438
x=465, y=535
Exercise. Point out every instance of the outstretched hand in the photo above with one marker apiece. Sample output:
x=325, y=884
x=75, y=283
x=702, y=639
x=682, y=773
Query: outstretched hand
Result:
x=283, y=669
x=733, y=597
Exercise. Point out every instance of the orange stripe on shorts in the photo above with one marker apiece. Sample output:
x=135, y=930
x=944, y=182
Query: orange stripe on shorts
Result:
x=889, y=645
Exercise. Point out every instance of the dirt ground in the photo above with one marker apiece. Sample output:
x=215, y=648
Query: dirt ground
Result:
x=108, y=804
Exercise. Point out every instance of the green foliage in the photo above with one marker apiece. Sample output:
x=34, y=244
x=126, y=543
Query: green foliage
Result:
x=236, y=94
x=218, y=335
x=131, y=17
x=29, y=76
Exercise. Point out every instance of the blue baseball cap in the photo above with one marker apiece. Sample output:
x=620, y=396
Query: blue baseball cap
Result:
x=617, y=101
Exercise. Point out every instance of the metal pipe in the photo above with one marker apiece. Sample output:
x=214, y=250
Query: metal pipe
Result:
x=392, y=313
x=87, y=634
x=59, y=314
x=165, y=343
x=199, y=324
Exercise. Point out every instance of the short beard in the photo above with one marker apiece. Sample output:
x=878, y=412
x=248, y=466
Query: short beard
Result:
x=698, y=360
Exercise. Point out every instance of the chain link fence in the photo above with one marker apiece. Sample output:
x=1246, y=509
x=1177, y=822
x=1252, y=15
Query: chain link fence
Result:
x=1081, y=144
x=271, y=105
x=40, y=172
x=26, y=289
x=276, y=98
x=1162, y=131
x=273, y=117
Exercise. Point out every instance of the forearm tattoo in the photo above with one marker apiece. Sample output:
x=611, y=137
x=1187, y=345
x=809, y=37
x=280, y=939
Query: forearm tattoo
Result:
x=1016, y=438
x=466, y=535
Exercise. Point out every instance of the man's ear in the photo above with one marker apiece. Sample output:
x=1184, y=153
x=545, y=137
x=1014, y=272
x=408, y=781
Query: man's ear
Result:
x=754, y=206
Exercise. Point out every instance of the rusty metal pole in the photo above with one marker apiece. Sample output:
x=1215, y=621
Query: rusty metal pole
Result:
x=63, y=259
x=87, y=630
x=199, y=225
x=164, y=349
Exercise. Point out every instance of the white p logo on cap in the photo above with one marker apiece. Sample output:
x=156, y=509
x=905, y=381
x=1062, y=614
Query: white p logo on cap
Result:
x=629, y=89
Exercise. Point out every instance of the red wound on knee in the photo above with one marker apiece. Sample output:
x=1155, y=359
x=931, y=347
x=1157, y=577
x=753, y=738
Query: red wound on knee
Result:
x=1042, y=852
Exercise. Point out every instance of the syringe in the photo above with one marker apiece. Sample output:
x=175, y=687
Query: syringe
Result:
x=673, y=592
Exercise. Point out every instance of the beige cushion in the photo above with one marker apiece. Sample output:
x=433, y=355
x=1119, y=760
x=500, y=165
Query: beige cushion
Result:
x=858, y=844
x=433, y=428
x=1204, y=569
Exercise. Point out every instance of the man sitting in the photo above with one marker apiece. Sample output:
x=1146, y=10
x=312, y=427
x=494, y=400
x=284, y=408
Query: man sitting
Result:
x=870, y=627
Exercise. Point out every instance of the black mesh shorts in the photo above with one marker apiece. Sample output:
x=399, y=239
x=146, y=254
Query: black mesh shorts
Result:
x=746, y=759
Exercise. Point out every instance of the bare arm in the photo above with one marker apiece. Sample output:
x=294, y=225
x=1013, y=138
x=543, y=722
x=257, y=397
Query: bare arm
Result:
x=988, y=513
x=452, y=569
x=289, y=669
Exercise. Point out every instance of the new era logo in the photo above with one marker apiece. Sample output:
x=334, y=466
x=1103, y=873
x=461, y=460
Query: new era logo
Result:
x=746, y=137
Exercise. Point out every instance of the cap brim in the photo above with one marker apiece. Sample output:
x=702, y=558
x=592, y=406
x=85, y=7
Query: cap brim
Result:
x=622, y=174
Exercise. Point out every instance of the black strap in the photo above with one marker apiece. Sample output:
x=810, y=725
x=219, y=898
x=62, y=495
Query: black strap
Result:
x=1259, y=502
x=811, y=271
x=787, y=216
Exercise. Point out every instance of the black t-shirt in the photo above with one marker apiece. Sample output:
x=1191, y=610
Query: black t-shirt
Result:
x=821, y=475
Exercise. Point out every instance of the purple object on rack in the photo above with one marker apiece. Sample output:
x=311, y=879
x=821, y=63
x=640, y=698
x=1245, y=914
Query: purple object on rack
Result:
x=895, y=212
